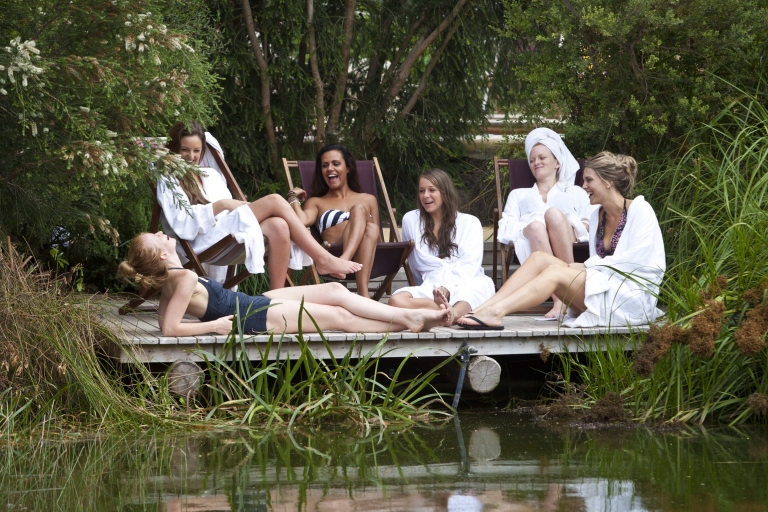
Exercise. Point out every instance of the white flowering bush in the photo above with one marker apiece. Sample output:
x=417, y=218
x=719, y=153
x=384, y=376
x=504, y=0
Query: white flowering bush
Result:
x=80, y=83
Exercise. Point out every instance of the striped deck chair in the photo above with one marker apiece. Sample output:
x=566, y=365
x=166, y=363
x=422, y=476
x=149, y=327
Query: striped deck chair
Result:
x=390, y=256
x=226, y=252
x=520, y=176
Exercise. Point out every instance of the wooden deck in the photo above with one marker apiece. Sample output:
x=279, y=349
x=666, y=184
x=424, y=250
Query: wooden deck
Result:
x=522, y=335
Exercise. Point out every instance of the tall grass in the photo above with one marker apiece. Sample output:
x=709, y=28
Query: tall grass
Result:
x=55, y=375
x=310, y=389
x=709, y=361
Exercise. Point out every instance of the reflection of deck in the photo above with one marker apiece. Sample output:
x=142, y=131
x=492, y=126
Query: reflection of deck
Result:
x=522, y=335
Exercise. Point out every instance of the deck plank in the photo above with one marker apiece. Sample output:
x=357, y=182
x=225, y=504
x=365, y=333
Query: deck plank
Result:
x=522, y=334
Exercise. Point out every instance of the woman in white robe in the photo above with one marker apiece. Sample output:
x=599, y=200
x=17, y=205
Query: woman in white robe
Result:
x=554, y=213
x=201, y=209
x=618, y=285
x=447, y=266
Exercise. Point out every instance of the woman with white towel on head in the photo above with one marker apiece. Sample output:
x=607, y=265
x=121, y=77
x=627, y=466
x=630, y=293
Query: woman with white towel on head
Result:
x=554, y=213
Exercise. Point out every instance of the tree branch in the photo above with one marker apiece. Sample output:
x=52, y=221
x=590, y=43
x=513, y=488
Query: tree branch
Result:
x=319, y=94
x=266, y=105
x=341, y=81
x=425, y=77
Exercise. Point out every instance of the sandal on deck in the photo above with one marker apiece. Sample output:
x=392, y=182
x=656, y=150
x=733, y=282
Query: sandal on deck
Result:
x=481, y=326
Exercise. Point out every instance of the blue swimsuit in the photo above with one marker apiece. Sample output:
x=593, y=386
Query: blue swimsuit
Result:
x=223, y=302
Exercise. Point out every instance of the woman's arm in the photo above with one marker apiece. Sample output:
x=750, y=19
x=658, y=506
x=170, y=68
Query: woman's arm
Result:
x=172, y=312
x=309, y=212
x=469, y=239
x=510, y=223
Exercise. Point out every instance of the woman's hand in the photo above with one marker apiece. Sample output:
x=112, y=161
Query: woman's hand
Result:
x=301, y=194
x=579, y=266
x=223, y=325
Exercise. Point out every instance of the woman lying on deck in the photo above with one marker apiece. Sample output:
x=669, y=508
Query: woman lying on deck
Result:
x=152, y=262
x=554, y=213
x=447, y=260
x=618, y=284
x=211, y=213
x=341, y=210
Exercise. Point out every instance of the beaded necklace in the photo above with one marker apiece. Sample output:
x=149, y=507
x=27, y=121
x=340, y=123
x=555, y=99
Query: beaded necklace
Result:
x=600, y=248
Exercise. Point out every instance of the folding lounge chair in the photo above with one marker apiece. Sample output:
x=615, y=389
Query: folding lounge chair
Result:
x=226, y=252
x=390, y=256
x=520, y=176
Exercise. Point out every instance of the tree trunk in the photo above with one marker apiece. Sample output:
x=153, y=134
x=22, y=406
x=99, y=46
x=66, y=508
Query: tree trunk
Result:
x=266, y=104
x=319, y=93
x=341, y=81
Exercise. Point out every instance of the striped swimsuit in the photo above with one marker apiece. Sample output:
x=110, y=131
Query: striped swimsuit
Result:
x=330, y=218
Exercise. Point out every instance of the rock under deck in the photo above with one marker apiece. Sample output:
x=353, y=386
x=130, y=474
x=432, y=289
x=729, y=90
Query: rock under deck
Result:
x=522, y=334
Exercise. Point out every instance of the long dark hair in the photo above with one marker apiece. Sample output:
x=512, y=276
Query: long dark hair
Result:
x=319, y=186
x=188, y=182
x=443, y=243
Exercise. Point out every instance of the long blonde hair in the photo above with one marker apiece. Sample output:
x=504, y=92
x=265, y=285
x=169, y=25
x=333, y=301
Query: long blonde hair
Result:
x=188, y=182
x=143, y=266
x=443, y=243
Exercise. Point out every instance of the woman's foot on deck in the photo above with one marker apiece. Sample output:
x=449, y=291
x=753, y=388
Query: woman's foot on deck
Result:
x=425, y=319
x=485, y=317
x=442, y=296
x=557, y=309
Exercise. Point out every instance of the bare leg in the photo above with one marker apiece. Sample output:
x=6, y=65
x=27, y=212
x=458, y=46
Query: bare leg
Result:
x=274, y=205
x=366, y=251
x=407, y=301
x=334, y=294
x=563, y=281
x=279, y=238
x=561, y=238
x=354, y=231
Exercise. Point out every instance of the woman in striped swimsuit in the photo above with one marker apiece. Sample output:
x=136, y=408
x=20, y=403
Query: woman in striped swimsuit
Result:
x=341, y=210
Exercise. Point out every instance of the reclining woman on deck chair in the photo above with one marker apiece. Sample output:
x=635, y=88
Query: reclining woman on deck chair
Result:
x=554, y=213
x=341, y=210
x=447, y=259
x=618, y=284
x=152, y=262
x=213, y=214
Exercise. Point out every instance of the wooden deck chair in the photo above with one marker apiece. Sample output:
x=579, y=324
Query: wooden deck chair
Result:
x=390, y=256
x=226, y=252
x=520, y=176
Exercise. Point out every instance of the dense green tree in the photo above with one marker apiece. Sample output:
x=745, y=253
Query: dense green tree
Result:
x=405, y=81
x=79, y=83
x=632, y=76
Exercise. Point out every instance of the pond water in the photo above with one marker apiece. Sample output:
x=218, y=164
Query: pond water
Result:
x=490, y=461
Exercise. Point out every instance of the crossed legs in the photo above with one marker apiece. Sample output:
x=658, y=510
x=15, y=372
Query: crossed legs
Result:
x=539, y=277
x=439, y=301
x=335, y=308
x=275, y=205
x=556, y=238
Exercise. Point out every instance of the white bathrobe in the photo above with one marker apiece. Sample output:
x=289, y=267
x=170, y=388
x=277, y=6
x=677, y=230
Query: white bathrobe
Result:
x=462, y=274
x=524, y=205
x=621, y=289
x=203, y=230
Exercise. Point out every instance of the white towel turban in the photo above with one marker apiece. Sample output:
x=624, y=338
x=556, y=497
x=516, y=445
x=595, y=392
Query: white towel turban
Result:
x=549, y=138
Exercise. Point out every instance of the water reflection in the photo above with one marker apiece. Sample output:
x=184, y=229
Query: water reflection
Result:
x=480, y=462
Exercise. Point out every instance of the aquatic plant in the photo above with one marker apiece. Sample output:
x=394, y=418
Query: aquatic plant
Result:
x=709, y=360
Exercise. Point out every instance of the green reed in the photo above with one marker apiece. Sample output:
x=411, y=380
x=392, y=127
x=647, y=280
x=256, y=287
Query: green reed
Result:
x=288, y=381
x=712, y=203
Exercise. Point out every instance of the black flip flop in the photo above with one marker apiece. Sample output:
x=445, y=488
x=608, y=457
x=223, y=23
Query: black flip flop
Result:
x=482, y=326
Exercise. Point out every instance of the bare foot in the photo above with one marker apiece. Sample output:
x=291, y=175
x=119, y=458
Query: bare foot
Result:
x=557, y=309
x=336, y=267
x=485, y=316
x=441, y=296
x=425, y=319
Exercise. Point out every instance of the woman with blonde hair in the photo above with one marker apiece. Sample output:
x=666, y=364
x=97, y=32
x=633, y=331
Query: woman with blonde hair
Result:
x=447, y=259
x=200, y=208
x=619, y=283
x=152, y=262
x=554, y=213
